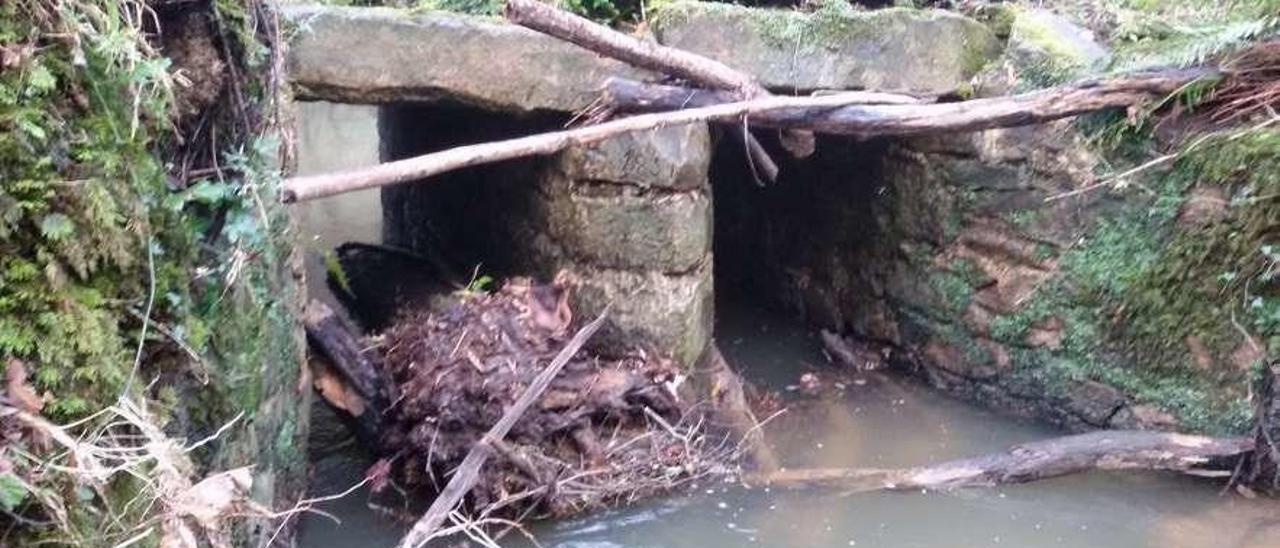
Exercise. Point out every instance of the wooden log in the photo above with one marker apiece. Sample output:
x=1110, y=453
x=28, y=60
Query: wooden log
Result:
x=469, y=471
x=627, y=95
x=634, y=51
x=1103, y=450
x=647, y=54
x=897, y=116
x=360, y=368
x=714, y=380
x=840, y=113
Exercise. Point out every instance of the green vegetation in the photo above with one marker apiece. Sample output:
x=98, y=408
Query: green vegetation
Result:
x=129, y=252
x=78, y=211
x=1144, y=283
x=1151, y=33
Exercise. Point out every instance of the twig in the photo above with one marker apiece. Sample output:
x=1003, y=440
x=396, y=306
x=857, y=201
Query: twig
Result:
x=146, y=317
x=468, y=472
x=306, y=505
x=1159, y=160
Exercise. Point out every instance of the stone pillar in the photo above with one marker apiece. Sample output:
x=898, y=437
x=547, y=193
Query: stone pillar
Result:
x=632, y=218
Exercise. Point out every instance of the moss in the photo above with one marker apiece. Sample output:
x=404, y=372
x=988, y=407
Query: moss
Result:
x=1133, y=291
x=999, y=18
x=79, y=234
x=952, y=289
x=109, y=270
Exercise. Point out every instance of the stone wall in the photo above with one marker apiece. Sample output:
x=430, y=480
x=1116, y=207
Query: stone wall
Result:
x=632, y=217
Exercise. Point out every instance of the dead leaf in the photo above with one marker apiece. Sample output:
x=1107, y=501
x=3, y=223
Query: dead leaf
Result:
x=20, y=393
x=335, y=390
x=215, y=496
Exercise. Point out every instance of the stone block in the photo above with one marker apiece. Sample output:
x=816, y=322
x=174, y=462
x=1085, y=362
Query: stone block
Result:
x=895, y=49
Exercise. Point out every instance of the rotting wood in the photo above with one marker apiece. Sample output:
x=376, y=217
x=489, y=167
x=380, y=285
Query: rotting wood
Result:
x=650, y=55
x=360, y=368
x=468, y=472
x=840, y=113
x=1103, y=450
x=714, y=379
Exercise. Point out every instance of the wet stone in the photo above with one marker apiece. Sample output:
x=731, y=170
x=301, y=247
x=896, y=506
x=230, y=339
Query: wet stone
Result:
x=675, y=158
x=898, y=49
x=380, y=55
x=622, y=228
x=667, y=314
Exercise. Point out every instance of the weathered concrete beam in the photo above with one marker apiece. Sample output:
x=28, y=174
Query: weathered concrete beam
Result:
x=898, y=49
x=380, y=55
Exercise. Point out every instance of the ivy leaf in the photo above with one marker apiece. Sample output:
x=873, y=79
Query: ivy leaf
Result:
x=56, y=226
x=12, y=491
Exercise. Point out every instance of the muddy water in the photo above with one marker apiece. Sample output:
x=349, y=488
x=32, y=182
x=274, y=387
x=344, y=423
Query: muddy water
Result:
x=883, y=422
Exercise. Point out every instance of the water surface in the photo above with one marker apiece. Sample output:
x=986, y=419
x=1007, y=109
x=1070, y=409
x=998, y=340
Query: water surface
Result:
x=884, y=422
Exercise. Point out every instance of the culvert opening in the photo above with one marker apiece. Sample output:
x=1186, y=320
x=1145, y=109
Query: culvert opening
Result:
x=804, y=245
x=445, y=232
x=470, y=216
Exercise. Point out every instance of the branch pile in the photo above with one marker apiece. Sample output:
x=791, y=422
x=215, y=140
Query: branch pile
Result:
x=605, y=431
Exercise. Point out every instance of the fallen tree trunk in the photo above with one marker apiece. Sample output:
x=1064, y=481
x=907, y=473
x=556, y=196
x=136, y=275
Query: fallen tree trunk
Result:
x=647, y=54
x=468, y=472
x=359, y=368
x=897, y=117
x=840, y=113
x=1104, y=450
x=627, y=95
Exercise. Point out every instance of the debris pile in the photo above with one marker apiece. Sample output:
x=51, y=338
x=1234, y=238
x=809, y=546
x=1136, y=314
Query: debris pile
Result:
x=606, y=431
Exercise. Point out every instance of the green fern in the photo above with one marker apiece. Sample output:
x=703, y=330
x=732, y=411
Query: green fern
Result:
x=1188, y=46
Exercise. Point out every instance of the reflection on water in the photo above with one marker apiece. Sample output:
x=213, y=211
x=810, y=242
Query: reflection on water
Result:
x=883, y=423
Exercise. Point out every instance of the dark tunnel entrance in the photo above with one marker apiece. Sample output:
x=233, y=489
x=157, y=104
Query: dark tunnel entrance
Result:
x=802, y=245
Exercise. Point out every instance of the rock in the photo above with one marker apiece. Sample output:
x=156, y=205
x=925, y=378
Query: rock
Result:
x=1203, y=206
x=978, y=360
x=667, y=314
x=896, y=49
x=1094, y=402
x=1144, y=417
x=618, y=227
x=675, y=158
x=1046, y=333
x=1044, y=45
x=379, y=55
